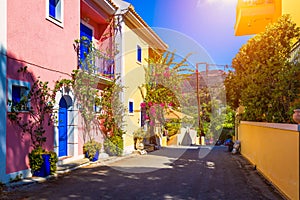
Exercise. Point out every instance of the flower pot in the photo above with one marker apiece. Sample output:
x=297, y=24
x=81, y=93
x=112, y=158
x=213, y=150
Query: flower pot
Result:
x=45, y=168
x=95, y=158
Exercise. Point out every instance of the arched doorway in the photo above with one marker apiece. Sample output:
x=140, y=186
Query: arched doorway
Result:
x=63, y=128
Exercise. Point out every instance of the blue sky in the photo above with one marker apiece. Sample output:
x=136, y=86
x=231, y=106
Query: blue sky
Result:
x=203, y=27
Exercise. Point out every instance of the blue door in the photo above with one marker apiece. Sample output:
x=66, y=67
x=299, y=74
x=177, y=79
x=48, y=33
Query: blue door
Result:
x=84, y=45
x=62, y=127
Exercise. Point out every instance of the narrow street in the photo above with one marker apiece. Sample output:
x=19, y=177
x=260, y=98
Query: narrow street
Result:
x=170, y=173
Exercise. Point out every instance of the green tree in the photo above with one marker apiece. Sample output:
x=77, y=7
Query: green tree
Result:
x=264, y=79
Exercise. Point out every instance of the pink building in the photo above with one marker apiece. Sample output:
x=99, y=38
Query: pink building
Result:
x=40, y=35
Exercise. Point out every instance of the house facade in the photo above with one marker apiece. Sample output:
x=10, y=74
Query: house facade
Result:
x=43, y=41
x=137, y=43
x=252, y=16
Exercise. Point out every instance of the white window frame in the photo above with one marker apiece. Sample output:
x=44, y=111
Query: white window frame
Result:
x=131, y=101
x=19, y=83
x=59, y=20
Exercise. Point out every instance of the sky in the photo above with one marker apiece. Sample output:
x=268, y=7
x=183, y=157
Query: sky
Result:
x=202, y=27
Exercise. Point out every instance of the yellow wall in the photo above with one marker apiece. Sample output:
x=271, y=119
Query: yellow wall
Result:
x=134, y=77
x=292, y=7
x=274, y=149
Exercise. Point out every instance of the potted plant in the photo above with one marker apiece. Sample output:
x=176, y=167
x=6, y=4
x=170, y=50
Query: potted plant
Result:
x=42, y=162
x=91, y=150
x=138, y=136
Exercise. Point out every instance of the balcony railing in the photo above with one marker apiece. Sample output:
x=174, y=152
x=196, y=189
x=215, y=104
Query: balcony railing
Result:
x=243, y=3
x=295, y=53
x=105, y=67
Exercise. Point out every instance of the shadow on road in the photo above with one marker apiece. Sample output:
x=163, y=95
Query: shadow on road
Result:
x=216, y=176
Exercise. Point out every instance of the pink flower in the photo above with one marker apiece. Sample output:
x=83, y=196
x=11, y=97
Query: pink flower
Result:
x=152, y=111
x=143, y=105
x=162, y=105
x=166, y=74
x=150, y=103
x=152, y=123
x=171, y=104
x=146, y=117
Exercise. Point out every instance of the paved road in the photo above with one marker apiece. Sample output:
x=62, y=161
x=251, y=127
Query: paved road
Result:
x=170, y=173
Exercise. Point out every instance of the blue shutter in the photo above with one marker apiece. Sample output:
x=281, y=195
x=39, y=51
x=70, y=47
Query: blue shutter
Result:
x=139, y=54
x=130, y=107
x=52, y=6
x=16, y=94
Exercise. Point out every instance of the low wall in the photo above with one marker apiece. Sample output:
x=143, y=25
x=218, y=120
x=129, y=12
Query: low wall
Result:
x=274, y=149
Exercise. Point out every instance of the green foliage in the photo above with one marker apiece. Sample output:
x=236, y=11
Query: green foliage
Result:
x=39, y=114
x=173, y=126
x=112, y=106
x=265, y=82
x=164, y=80
x=91, y=147
x=36, y=160
x=140, y=133
x=113, y=145
x=53, y=161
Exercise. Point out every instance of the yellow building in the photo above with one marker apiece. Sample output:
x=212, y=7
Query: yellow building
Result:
x=137, y=42
x=252, y=16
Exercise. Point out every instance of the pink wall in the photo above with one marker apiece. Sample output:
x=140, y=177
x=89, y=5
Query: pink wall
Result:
x=34, y=39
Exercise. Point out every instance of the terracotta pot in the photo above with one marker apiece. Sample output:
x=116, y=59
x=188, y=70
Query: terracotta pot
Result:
x=296, y=116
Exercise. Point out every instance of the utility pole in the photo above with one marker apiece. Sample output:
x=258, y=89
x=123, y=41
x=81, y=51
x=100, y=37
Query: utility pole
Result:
x=202, y=141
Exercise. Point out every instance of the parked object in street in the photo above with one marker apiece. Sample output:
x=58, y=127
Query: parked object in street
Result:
x=236, y=147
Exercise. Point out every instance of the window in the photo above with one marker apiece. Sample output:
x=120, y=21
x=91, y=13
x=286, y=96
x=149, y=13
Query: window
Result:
x=130, y=107
x=54, y=9
x=139, y=53
x=17, y=95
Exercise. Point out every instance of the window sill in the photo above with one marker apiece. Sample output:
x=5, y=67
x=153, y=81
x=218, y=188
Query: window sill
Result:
x=55, y=21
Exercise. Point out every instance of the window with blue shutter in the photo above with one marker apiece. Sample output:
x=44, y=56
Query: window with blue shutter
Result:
x=55, y=11
x=18, y=95
x=130, y=107
x=139, y=53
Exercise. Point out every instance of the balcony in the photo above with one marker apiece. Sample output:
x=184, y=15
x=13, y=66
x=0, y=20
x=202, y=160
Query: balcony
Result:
x=102, y=67
x=252, y=16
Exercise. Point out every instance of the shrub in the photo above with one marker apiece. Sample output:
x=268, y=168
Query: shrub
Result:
x=113, y=146
x=36, y=160
x=91, y=148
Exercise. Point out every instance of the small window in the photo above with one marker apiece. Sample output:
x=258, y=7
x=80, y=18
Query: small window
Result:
x=130, y=107
x=18, y=95
x=54, y=10
x=139, y=53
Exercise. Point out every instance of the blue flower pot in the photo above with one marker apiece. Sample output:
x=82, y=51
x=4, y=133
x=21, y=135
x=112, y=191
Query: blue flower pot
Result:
x=95, y=158
x=45, y=168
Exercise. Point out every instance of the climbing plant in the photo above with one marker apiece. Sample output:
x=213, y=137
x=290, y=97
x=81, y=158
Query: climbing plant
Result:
x=39, y=104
